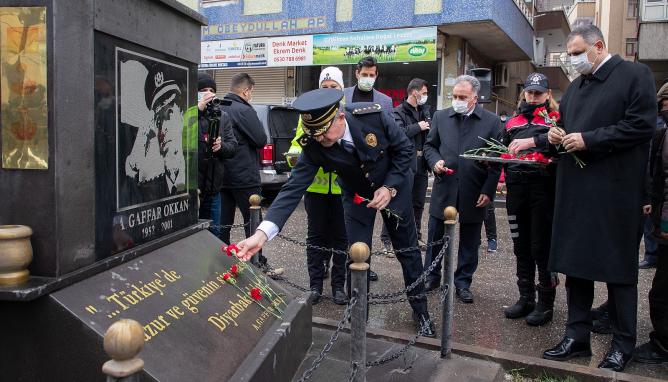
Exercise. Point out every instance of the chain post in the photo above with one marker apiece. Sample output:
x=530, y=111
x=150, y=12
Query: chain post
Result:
x=359, y=253
x=255, y=210
x=450, y=215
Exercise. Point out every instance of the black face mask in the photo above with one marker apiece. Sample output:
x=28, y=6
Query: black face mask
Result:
x=664, y=115
x=527, y=109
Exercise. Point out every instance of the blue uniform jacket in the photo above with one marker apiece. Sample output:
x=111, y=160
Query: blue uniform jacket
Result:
x=383, y=157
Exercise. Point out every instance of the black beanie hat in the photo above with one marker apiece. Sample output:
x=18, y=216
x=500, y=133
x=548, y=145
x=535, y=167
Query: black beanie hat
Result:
x=205, y=80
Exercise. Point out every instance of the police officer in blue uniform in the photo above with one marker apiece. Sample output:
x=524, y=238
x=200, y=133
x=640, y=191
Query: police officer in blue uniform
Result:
x=373, y=158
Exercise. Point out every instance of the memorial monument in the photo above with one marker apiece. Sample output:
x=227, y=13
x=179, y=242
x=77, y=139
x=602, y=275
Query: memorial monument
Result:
x=99, y=132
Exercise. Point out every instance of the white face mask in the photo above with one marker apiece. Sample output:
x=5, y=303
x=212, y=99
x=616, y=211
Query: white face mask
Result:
x=423, y=99
x=461, y=107
x=366, y=83
x=581, y=63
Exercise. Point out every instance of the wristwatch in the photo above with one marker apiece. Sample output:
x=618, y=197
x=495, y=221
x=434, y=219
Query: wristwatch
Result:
x=393, y=191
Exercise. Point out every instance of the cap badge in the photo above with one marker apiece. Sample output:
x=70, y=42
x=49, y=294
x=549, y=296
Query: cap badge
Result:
x=371, y=140
x=535, y=80
x=159, y=79
x=306, y=117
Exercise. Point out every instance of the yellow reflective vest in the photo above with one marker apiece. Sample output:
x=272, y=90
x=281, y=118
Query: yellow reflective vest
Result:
x=324, y=182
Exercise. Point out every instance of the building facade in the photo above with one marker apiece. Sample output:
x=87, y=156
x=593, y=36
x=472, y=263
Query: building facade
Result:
x=617, y=19
x=285, y=43
x=653, y=38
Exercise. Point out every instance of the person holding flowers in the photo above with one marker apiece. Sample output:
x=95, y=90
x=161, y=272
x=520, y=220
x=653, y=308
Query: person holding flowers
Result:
x=608, y=116
x=373, y=158
x=530, y=201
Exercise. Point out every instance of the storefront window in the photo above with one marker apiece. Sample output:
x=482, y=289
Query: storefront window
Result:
x=392, y=79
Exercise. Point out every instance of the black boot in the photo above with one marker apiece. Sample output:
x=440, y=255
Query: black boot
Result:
x=525, y=304
x=542, y=314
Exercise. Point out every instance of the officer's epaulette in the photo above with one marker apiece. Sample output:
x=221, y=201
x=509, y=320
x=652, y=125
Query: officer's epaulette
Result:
x=363, y=108
x=304, y=140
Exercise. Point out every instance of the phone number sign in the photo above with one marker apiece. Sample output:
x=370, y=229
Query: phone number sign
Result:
x=290, y=51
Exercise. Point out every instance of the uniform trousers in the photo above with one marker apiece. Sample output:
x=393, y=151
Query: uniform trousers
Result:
x=658, y=299
x=326, y=228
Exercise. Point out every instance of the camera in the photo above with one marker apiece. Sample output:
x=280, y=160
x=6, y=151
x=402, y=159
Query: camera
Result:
x=212, y=113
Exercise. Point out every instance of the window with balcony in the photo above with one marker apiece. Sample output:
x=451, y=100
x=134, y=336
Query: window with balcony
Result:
x=631, y=46
x=632, y=9
x=654, y=10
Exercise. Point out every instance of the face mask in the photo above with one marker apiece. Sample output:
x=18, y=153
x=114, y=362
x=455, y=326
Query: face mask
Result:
x=423, y=99
x=366, y=83
x=581, y=63
x=461, y=107
x=664, y=115
x=504, y=118
x=200, y=95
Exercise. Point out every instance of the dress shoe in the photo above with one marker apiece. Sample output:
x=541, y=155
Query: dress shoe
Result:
x=568, y=348
x=651, y=352
x=316, y=296
x=339, y=297
x=424, y=325
x=465, y=295
x=430, y=285
x=373, y=276
x=615, y=360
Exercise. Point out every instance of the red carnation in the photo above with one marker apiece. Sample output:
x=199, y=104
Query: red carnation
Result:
x=449, y=171
x=228, y=278
x=234, y=270
x=507, y=156
x=358, y=199
x=256, y=294
x=539, y=111
x=231, y=249
x=554, y=115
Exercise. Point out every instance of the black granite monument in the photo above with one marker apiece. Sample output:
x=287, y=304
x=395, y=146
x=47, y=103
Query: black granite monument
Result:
x=112, y=201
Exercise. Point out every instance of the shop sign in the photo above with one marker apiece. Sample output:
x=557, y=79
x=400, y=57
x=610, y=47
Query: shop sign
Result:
x=234, y=53
x=394, y=45
x=290, y=51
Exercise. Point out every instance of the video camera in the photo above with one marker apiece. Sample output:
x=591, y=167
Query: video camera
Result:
x=212, y=113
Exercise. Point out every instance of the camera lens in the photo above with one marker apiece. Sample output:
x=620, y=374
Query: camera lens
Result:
x=215, y=101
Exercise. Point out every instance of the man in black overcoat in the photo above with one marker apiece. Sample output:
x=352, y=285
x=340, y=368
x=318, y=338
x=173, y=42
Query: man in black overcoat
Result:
x=373, y=158
x=472, y=185
x=608, y=117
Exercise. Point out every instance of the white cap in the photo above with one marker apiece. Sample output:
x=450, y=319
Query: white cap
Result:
x=331, y=73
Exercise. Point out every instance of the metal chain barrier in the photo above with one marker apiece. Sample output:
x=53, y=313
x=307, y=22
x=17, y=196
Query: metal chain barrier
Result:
x=420, y=280
x=397, y=354
x=332, y=339
x=230, y=226
x=353, y=372
x=310, y=246
x=443, y=290
x=386, y=298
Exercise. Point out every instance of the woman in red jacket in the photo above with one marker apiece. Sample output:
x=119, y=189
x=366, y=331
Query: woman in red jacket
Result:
x=530, y=203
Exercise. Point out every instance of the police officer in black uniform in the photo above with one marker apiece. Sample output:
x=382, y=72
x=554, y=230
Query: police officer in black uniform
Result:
x=373, y=158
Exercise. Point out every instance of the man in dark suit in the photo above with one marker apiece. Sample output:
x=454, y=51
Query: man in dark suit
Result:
x=472, y=185
x=373, y=158
x=609, y=117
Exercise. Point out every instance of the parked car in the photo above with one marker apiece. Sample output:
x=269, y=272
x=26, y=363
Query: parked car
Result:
x=280, y=125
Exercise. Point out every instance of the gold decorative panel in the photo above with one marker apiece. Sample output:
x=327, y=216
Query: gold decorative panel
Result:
x=23, y=101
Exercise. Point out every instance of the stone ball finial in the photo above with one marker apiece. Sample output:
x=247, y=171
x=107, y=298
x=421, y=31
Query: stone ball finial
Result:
x=450, y=214
x=359, y=253
x=15, y=254
x=124, y=339
x=255, y=200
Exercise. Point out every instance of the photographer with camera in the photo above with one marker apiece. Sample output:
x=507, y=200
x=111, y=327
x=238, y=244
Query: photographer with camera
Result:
x=216, y=142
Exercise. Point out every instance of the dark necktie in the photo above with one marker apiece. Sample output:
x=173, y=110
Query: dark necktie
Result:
x=347, y=146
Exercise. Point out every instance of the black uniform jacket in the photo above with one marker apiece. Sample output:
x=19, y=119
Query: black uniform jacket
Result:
x=242, y=170
x=450, y=135
x=382, y=157
x=210, y=167
x=407, y=118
